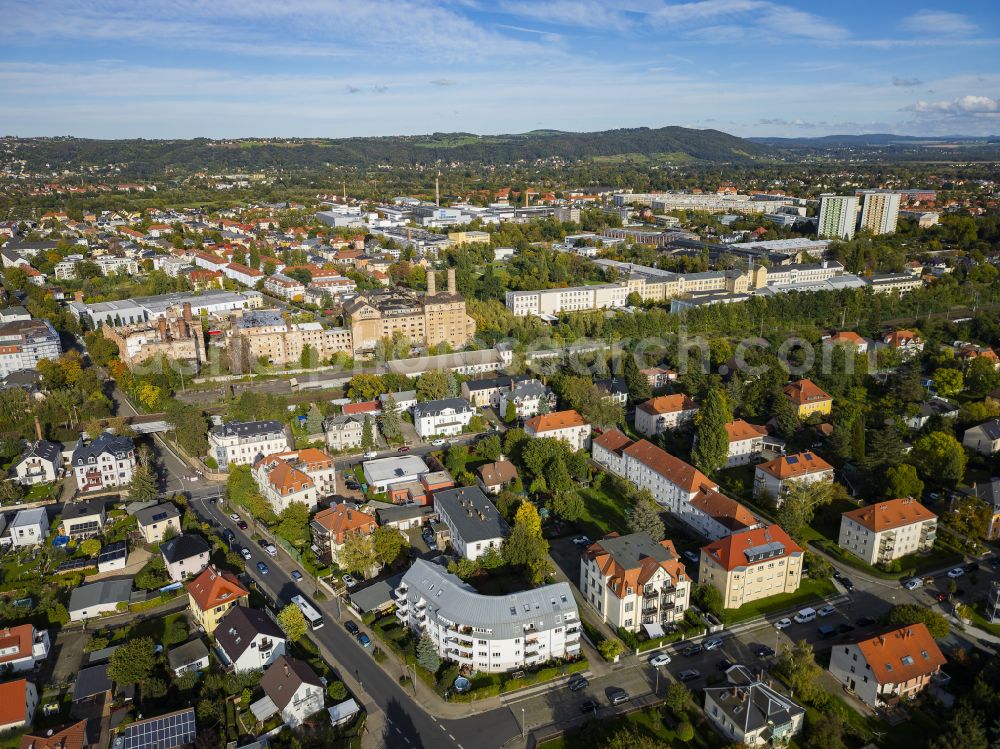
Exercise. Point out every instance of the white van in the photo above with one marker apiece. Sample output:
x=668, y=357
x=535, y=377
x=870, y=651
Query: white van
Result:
x=805, y=615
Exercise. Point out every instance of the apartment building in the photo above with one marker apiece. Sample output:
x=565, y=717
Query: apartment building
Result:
x=571, y=299
x=481, y=393
x=808, y=398
x=529, y=397
x=492, y=634
x=906, y=342
x=751, y=565
x=884, y=531
x=331, y=526
x=838, y=216
x=474, y=523
x=879, y=211
x=664, y=412
x=714, y=515
x=672, y=482
x=39, y=463
x=343, y=432
x=448, y=416
x=892, y=666
x=179, y=339
x=634, y=581
x=887, y=283
x=302, y=476
x=774, y=478
x=24, y=343
x=746, y=442
x=240, y=443
x=284, y=287
x=264, y=335
x=568, y=426
x=107, y=461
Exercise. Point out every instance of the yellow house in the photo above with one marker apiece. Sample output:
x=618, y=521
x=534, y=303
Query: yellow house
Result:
x=808, y=399
x=212, y=594
x=469, y=237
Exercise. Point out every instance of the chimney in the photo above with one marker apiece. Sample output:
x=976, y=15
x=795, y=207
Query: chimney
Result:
x=163, y=328
x=187, y=312
x=437, y=190
x=79, y=297
x=451, y=280
x=38, y=429
x=431, y=283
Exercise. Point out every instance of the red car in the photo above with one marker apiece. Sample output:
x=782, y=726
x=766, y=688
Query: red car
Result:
x=940, y=596
x=403, y=450
x=242, y=524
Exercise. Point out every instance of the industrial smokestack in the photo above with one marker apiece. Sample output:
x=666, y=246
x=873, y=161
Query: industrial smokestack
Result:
x=431, y=283
x=451, y=281
x=187, y=312
x=163, y=328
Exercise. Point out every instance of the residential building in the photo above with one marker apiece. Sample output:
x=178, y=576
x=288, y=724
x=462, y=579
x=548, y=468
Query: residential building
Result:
x=482, y=393
x=179, y=339
x=82, y=520
x=664, y=412
x=984, y=438
x=300, y=476
x=448, y=416
x=240, y=443
x=752, y=565
x=29, y=527
x=73, y=736
x=714, y=515
x=884, y=531
x=808, y=398
x=989, y=492
x=606, y=450
x=293, y=689
x=23, y=647
x=39, y=463
x=494, y=477
x=658, y=377
x=102, y=597
x=838, y=216
x=24, y=343
x=887, y=283
x=614, y=388
x=113, y=556
x=185, y=555
x=554, y=302
x=265, y=334
x=850, y=339
x=750, y=712
x=490, y=634
x=879, y=211
x=936, y=406
x=405, y=400
x=213, y=593
x=906, y=342
x=633, y=581
x=191, y=656
x=746, y=442
x=108, y=461
x=180, y=726
x=385, y=474
x=889, y=667
x=343, y=432
x=154, y=522
x=672, y=482
x=248, y=639
x=774, y=478
x=18, y=703
x=330, y=528
x=567, y=426
x=529, y=398
x=474, y=523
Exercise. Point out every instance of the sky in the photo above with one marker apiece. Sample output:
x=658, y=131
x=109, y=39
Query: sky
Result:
x=336, y=68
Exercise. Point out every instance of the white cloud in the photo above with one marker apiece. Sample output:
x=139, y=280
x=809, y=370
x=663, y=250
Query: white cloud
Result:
x=577, y=13
x=964, y=105
x=938, y=23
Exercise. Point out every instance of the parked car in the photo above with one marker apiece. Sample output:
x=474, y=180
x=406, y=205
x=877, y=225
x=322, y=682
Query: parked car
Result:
x=349, y=581
x=724, y=665
x=245, y=553
x=590, y=706
x=242, y=525
x=371, y=454
x=617, y=696
x=713, y=644
x=351, y=627
x=577, y=683
x=763, y=651
x=582, y=541
x=234, y=517
x=972, y=567
x=363, y=640
x=865, y=621
x=689, y=674
x=262, y=568
x=403, y=449
x=692, y=650
x=783, y=623
x=940, y=597
x=843, y=628
x=296, y=575
x=660, y=659
x=691, y=556
x=826, y=631
x=956, y=572
x=827, y=611
x=271, y=549
x=846, y=582
x=913, y=583
x=439, y=443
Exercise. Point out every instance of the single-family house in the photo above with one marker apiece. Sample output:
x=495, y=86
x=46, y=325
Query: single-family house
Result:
x=18, y=702
x=39, y=463
x=101, y=597
x=247, y=639
x=750, y=711
x=185, y=555
x=493, y=477
x=22, y=647
x=212, y=594
x=29, y=527
x=154, y=522
x=191, y=656
x=292, y=689
x=984, y=438
x=82, y=520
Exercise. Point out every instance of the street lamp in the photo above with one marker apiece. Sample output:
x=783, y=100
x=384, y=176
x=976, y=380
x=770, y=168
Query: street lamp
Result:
x=522, y=722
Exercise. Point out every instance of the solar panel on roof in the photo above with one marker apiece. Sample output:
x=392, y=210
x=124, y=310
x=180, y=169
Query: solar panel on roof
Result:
x=159, y=516
x=793, y=459
x=808, y=456
x=165, y=732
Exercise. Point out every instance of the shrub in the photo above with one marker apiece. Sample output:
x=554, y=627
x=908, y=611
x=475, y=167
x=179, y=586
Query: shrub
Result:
x=405, y=681
x=212, y=463
x=610, y=649
x=685, y=731
x=337, y=691
x=378, y=654
x=629, y=638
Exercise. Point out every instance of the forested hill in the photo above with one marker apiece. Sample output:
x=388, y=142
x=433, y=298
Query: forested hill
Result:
x=154, y=156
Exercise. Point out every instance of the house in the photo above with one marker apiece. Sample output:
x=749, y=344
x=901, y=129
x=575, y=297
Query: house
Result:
x=405, y=400
x=774, y=478
x=300, y=476
x=108, y=461
x=664, y=412
x=714, y=515
x=906, y=342
x=482, y=393
x=889, y=667
x=154, y=522
x=614, y=388
x=292, y=689
x=113, y=556
x=185, y=555
x=751, y=565
x=474, y=524
x=849, y=339
x=884, y=531
x=936, y=406
x=405, y=517
x=331, y=526
x=92, y=687
x=658, y=377
x=73, y=736
x=29, y=527
x=567, y=426
x=82, y=520
x=491, y=634
x=39, y=464
x=343, y=432
x=191, y=656
x=384, y=474
x=247, y=639
x=103, y=597
x=493, y=477
x=746, y=442
x=212, y=594
x=241, y=443
x=528, y=398
x=984, y=439
x=749, y=711
x=448, y=416
x=633, y=581
x=22, y=647
x=989, y=492
x=808, y=398
x=18, y=702
x=171, y=731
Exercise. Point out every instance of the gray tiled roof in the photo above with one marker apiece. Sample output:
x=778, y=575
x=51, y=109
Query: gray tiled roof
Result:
x=248, y=428
x=471, y=513
x=433, y=408
x=754, y=704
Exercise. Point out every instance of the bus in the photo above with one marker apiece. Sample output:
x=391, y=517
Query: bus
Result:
x=313, y=617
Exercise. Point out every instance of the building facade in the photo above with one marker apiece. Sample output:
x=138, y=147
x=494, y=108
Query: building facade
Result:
x=567, y=426
x=664, y=412
x=240, y=443
x=448, y=416
x=474, y=523
x=303, y=476
x=882, y=532
x=24, y=343
x=108, y=461
x=838, y=216
x=775, y=477
x=752, y=565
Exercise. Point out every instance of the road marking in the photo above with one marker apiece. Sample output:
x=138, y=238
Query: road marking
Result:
x=451, y=737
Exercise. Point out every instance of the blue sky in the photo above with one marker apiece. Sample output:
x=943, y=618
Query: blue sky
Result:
x=236, y=68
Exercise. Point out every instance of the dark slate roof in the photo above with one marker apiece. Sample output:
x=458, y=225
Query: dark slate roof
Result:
x=244, y=429
x=754, y=704
x=184, y=546
x=612, y=385
x=104, y=443
x=190, y=652
x=989, y=491
x=463, y=506
x=76, y=510
x=237, y=629
x=284, y=677
x=990, y=428
x=43, y=449
x=157, y=513
x=91, y=681
x=433, y=408
x=629, y=550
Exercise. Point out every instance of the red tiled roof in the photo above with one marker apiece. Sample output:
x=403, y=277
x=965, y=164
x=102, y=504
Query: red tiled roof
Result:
x=341, y=519
x=363, y=407
x=214, y=587
x=12, y=702
x=20, y=637
x=894, y=513
x=71, y=737
x=668, y=404
x=740, y=430
x=903, y=654
x=673, y=469
x=728, y=552
x=553, y=421
x=794, y=466
x=613, y=441
x=805, y=391
x=728, y=512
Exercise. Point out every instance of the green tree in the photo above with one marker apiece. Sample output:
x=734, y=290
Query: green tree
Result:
x=970, y=516
x=358, y=554
x=610, y=649
x=367, y=438
x=292, y=622
x=427, y=655
x=678, y=698
x=711, y=448
x=489, y=448
x=709, y=598
x=799, y=505
x=391, y=420
x=903, y=481
x=948, y=382
x=981, y=376
x=798, y=666
x=432, y=386
x=911, y=613
x=389, y=544
x=365, y=387
x=309, y=357
x=568, y=505
x=644, y=517
x=639, y=388
x=142, y=488
x=510, y=414
x=337, y=691
x=786, y=418
x=293, y=523
x=685, y=731
x=133, y=661
x=314, y=420
x=940, y=457
x=91, y=547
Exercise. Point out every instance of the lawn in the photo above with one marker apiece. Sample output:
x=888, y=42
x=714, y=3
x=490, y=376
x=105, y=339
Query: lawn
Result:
x=809, y=590
x=602, y=513
x=981, y=622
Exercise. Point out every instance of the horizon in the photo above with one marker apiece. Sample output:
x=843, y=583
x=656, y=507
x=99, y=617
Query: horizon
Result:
x=751, y=68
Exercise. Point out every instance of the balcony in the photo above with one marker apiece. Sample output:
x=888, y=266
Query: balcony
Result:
x=650, y=607
x=650, y=593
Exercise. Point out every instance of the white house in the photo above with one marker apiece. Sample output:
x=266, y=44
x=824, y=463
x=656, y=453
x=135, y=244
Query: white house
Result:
x=92, y=600
x=291, y=688
x=746, y=442
x=23, y=646
x=185, y=555
x=248, y=639
x=775, y=477
x=29, y=527
x=984, y=439
x=108, y=461
x=343, y=432
x=39, y=464
x=240, y=443
x=530, y=398
x=474, y=523
x=191, y=656
x=155, y=521
x=567, y=426
x=664, y=412
x=18, y=703
x=749, y=711
x=442, y=417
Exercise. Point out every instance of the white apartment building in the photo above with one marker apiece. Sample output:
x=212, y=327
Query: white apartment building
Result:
x=447, y=416
x=633, y=581
x=108, y=461
x=568, y=426
x=879, y=211
x=664, y=412
x=240, y=443
x=24, y=343
x=838, y=216
x=572, y=299
x=889, y=530
x=530, y=398
x=751, y=565
x=775, y=477
x=300, y=476
x=474, y=524
x=746, y=442
x=672, y=482
x=493, y=634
